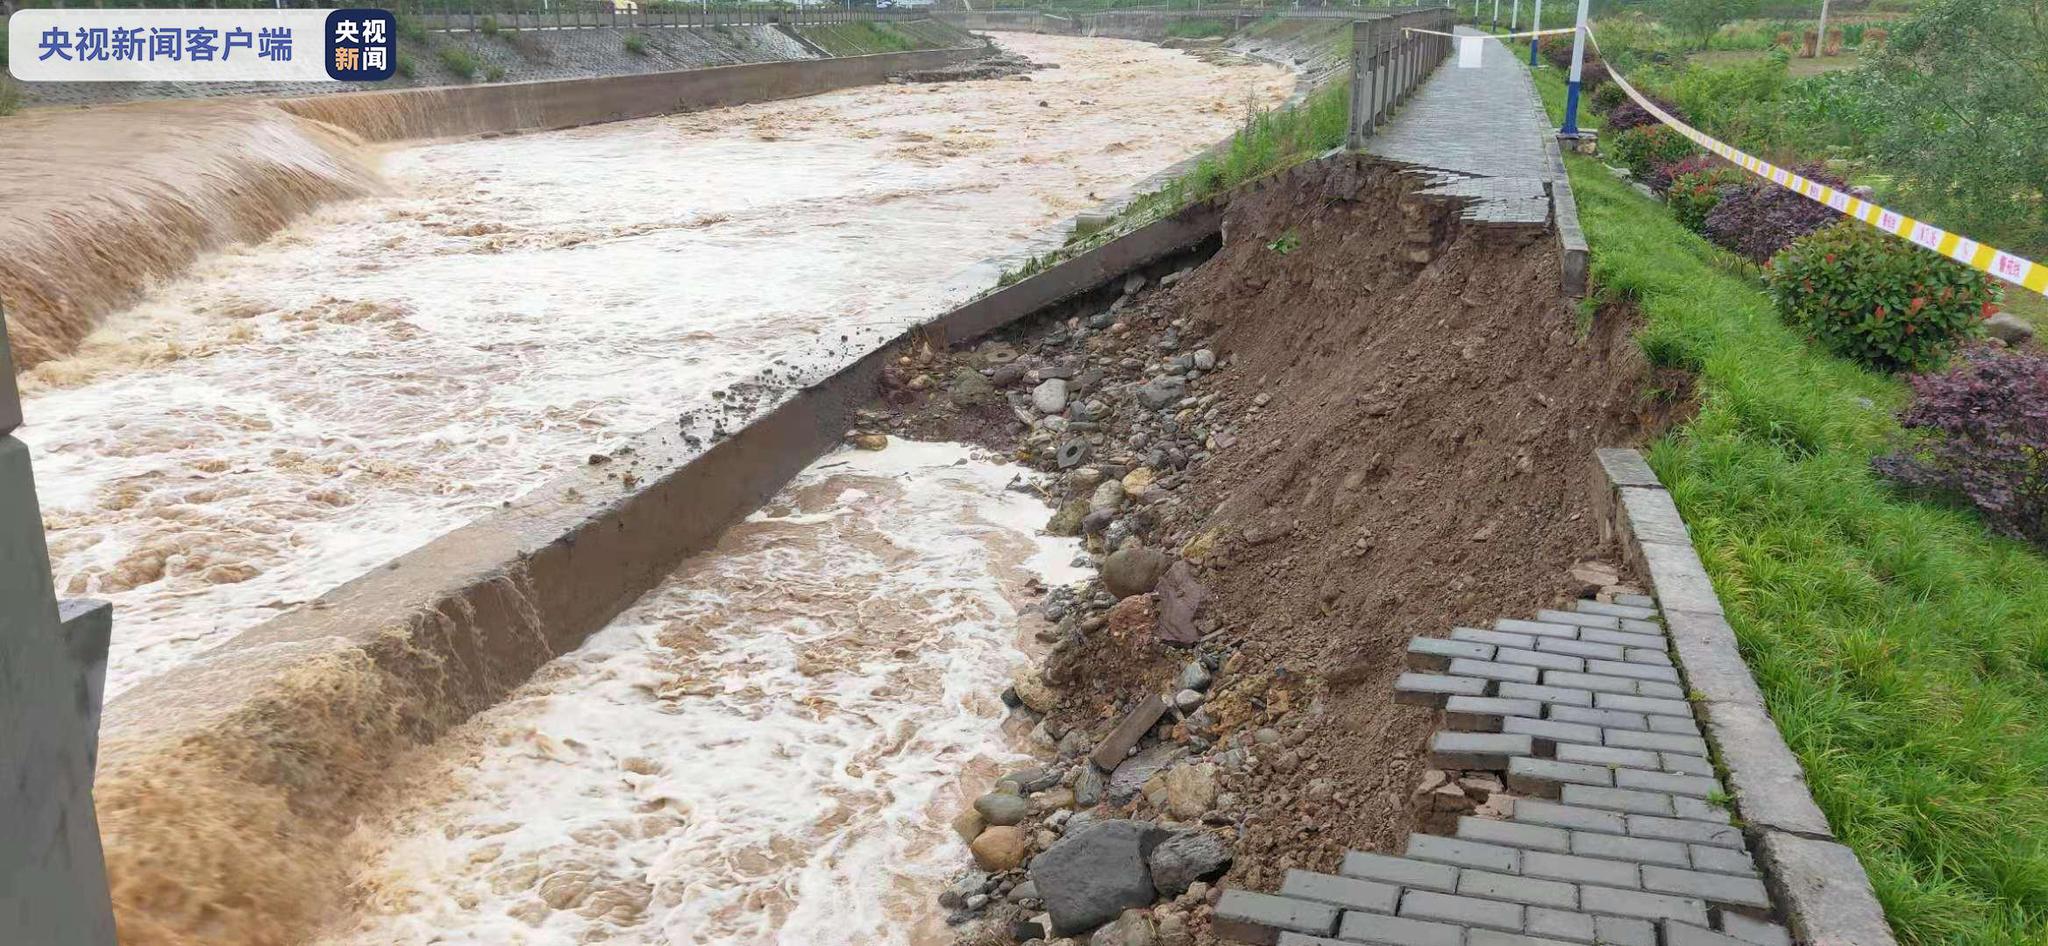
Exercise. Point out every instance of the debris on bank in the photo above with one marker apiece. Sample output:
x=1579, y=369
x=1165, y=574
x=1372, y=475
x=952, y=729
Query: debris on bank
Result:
x=1359, y=421
x=1000, y=64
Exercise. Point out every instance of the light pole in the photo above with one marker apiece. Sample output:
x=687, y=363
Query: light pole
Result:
x=1820, y=43
x=1496, y=16
x=1533, y=40
x=1571, y=86
x=1515, y=16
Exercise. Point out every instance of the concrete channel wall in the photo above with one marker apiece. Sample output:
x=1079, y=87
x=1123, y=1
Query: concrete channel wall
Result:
x=457, y=111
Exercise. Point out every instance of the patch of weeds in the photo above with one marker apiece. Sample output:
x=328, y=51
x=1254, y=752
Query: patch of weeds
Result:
x=1287, y=243
x=636, y=43
x=459, y=61
x=494, y=73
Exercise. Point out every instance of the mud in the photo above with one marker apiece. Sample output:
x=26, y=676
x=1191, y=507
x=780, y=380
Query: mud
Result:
x=1392, y=441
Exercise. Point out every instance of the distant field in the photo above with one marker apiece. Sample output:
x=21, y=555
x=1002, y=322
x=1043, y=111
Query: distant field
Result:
x=1797, y=68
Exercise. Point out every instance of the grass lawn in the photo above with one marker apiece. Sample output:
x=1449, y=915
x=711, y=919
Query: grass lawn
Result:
x=1903, y=650
x=1796, y=67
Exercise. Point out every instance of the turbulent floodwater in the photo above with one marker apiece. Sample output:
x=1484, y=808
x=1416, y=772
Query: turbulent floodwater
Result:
x=766, y=748
x=292, y=413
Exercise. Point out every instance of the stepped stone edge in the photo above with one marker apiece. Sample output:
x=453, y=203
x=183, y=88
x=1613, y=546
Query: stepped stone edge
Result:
x=1818, y=883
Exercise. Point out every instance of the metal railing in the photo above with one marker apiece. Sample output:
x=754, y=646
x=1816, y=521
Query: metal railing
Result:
x=53, y=663
x=1388, y=63
x=513, y=15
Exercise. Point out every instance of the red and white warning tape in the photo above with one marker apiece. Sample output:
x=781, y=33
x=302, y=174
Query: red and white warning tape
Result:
x=2010, y=267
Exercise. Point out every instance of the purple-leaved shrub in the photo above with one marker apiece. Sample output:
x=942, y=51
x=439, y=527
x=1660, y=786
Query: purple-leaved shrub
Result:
x=1983, y=429
x=1763, y=218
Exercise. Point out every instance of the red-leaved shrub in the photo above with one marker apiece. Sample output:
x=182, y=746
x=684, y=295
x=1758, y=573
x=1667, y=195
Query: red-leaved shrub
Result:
x=1984, y=436
x=1763, y=218
x=1661, y=176
x=1629, y=115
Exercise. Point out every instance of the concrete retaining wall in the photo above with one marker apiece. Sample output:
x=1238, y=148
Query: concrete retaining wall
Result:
x=1816, y=881
x=457, y=111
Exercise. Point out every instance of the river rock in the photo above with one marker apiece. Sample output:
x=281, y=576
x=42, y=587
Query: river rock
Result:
x=1067, y=521
x=1095, y=873
x=1032, y=691
x=1088, y=788
x=1007, y=374
x=1132, y=774
x=1133, y=571
x=1138, y=480
x=1205, y=360
x=2009, y=328
x=1190, y=790
x=1031, y=780
x=1000, y=849
x=1160, y=392
x=1002, y=809
x=969, y=884
x=1194, y=676
x=968, y=387
x=1108, y=497
x=1132, y=928
x=969, y=825
x=1050, y=397
x=1186, y=857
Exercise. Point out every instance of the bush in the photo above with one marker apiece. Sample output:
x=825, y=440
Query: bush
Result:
x=1595, y=76
x=458, y=61
x=407, y=66
x=1762, y=218
x=1984, y=428
x=1711, y=95
x=1557, y=50
x=1608, y=97
x=1878, y=299
x=636, y=44
x=1693, y=195
x=1643, y=150
x=494, y=74
x=1629, y=115
x=1660, y=177
x=10, y=96
x=488, y=26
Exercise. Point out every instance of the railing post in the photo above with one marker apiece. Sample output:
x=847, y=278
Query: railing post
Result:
x=52, y=668
x=1361, y=38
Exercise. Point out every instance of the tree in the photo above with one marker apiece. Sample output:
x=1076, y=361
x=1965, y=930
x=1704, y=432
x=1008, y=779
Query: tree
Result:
x=1699, y=20
x=1959, y=89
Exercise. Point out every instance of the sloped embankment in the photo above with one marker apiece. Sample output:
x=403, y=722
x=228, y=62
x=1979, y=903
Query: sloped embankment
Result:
x=1361, y=420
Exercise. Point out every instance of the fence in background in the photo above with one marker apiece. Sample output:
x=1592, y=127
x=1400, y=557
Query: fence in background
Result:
x=1388, y=62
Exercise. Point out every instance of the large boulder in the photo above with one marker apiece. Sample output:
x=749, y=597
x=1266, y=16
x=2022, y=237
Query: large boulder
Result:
x=1095, y=873
x=2009, y=328
x=1133, y=571
x=1185, y=857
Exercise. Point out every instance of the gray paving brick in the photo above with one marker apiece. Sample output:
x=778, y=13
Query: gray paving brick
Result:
x=1558, y=924
x=1471, y=911
x=1483, y=713
x=1615, y=610
x=1645, y=655
x=1598, y=683
x=1625, y=848
x=1350, y=893
x=1564, y=631
x=1546, y=694
x=1553, y=814
x=1548, y=733
x=1617, y=799
x=1514, y=834
x=1544, y=893
x=1430, y=847
x=1721, y=860
x=1698, y=809
x=1578, y=618
x=1697, y=786
x=1581, y=870
x=1717, y=888
x=1682, y=725
x=1498, y=938
x=1647, y=705
x=1608, y=756
x=1757, y=932
x=1578, y=648
x=1397, y=931
x=1242, y=911
x=1544, y=778
x=1496, y=638
x=1624, y=638
x=1660, y=690
x=1642, y=904
x=1636, y=601
x=1429, y=689
x=1479, y=750
x=1641, y=627
x=1490, y=670
x=1680, y=829
x=1399, y=870
x=1685, y=934
x=1434, y=654
x=1540, y=659
x=1605, y=718
x=1624, y=931
x=1684, y=764
x=1660, y=741
x=1639, y=671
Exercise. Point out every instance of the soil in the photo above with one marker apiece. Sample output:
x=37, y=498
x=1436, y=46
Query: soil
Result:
x=1396, y=438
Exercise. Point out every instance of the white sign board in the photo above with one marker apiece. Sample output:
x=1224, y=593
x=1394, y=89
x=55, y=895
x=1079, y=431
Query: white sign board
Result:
x=1469, y=50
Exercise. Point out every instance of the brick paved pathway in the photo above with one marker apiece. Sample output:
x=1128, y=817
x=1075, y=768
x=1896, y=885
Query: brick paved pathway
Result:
x=1483, y=131
x=1611, y=828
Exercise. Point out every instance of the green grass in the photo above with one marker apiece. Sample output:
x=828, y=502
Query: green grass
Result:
x=1199, y=28
x=860, y=39
x=636, y=43
x=459, y=61
x=1903, y=650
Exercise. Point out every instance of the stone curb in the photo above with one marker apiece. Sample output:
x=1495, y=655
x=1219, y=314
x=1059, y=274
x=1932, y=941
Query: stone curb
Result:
x=1821, y=886
x=1574, y=257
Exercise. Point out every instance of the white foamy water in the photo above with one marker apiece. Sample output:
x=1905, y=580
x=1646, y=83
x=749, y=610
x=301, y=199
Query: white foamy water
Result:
x=293, y=413
x=764, y=749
